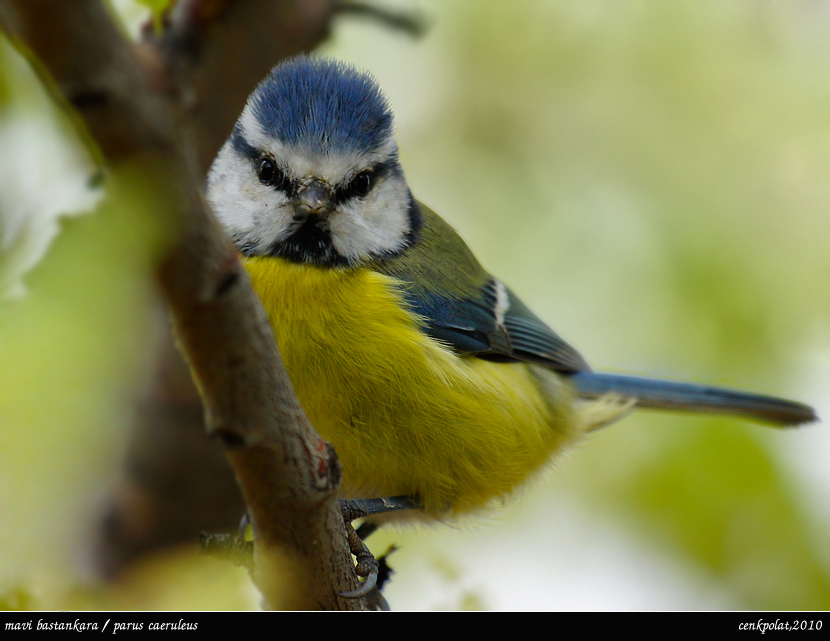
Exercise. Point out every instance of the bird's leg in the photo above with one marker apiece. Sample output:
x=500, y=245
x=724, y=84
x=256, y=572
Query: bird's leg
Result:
x=367, y=566
x=359, y=508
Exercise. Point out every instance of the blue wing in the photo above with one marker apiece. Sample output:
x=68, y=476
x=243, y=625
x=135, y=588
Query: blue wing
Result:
x=494, y=324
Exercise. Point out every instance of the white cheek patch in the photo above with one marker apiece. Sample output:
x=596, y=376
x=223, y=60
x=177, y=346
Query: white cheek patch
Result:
x=247, y=209
x=227, y=192
x=377, y=224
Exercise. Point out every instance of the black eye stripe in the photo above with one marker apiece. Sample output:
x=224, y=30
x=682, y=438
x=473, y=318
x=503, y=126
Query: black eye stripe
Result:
x=361, y=183
x=270, y=173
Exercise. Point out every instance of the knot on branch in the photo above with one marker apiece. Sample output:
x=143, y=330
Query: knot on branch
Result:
x=328, y=470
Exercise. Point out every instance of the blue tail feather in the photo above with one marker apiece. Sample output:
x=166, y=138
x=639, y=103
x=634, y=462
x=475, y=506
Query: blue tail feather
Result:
x=671, y=395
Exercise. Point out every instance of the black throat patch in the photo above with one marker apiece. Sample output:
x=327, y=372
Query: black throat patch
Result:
x=309, y=243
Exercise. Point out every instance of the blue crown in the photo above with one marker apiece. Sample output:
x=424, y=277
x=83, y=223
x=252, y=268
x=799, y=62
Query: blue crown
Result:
x=323, y=104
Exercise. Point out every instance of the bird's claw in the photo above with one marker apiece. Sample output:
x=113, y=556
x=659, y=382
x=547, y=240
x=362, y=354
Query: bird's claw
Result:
x=367, y=566
x=365, y=588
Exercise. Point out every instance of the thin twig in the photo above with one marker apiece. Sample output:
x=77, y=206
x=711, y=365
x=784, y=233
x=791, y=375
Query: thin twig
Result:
x=413, y=23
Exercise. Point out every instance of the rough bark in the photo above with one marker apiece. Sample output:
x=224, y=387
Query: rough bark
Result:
x=160, y=110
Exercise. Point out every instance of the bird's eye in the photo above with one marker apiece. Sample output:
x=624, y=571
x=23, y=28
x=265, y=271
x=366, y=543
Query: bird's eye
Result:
x=270, y=174
x=361, y=184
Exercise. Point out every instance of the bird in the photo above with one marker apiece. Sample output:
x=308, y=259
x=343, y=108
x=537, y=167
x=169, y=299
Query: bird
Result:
x=428, y=375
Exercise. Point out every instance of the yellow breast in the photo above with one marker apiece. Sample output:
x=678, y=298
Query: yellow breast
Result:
x=405, y=414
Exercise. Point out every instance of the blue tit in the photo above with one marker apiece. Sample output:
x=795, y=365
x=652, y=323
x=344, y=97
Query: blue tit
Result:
x=427, y=374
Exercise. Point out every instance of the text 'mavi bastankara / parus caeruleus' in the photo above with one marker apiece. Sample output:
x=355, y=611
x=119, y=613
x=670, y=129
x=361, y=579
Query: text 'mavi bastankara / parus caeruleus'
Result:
x=427, y=374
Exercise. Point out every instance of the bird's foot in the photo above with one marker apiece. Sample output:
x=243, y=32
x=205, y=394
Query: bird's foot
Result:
x=367, y=566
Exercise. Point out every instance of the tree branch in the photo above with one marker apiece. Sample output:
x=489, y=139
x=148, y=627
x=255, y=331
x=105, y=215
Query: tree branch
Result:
x=132, y=104
x=221, y=49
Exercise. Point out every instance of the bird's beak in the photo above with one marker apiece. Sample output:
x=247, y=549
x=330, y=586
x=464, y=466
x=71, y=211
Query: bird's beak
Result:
x=315, y=198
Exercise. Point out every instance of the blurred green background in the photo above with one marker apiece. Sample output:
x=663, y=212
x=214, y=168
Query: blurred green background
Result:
x=650, y=177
